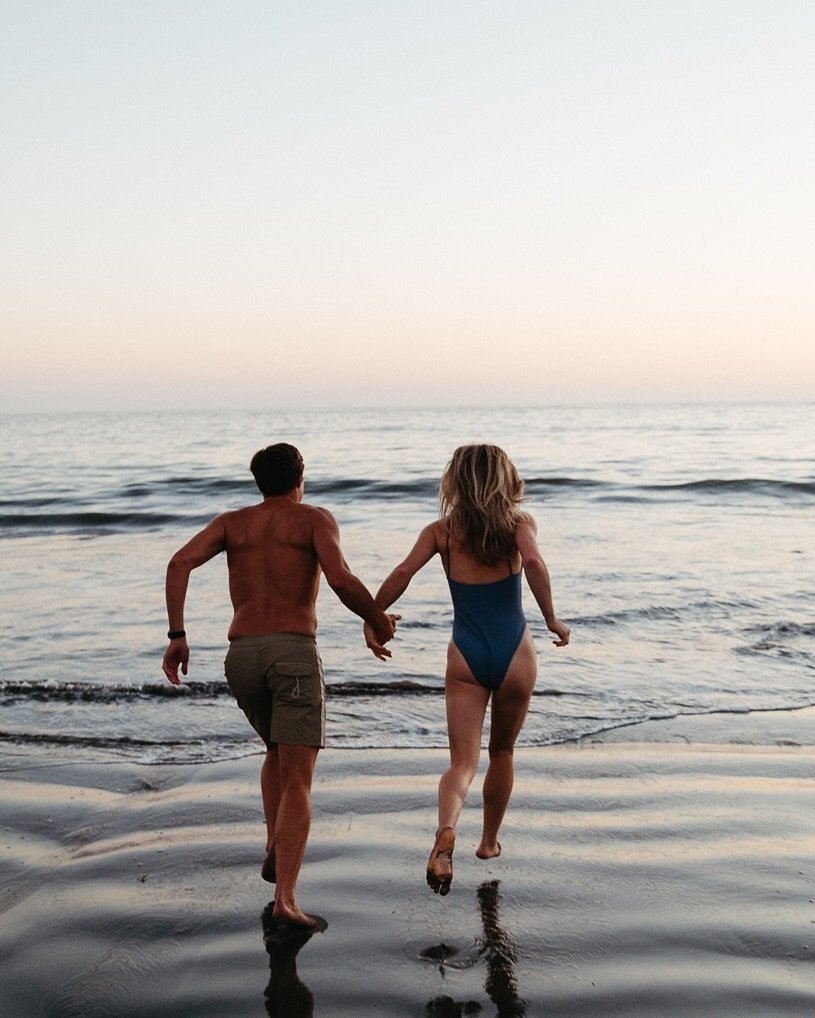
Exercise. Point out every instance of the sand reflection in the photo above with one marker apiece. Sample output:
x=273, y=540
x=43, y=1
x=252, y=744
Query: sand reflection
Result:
x=286, y=995
x=497, y=948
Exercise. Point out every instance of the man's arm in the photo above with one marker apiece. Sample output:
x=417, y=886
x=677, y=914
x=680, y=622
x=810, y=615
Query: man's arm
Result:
x=537, y=576
x=349, y=589
x=200, y=549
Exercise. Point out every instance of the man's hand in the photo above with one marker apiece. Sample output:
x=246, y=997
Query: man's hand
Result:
x=177, y=653
x=376, y=639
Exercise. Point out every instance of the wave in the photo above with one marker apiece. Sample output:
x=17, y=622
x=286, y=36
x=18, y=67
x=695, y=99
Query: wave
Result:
x=86, y=692
x=155, y=505
x=72, y=692
x=676, y=715
x=103, y=749
x=95, y=521
x=211, y=747
x=659, y=612
x=782, y=641
x=785, y=628
x=744, y=490
x=739, y=485
x=96, y=741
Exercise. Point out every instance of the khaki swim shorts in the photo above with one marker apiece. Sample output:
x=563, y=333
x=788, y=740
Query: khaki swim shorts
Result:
x=279, y=685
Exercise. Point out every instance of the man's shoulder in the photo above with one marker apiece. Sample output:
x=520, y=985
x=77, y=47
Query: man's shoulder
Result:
x=308, y=524
x=243, y=512
x=258, y=508
x=308, y=507
x=243, y=516
x=309, y=515
x=317, y=513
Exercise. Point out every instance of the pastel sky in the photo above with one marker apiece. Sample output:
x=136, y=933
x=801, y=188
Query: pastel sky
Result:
x=340, y=202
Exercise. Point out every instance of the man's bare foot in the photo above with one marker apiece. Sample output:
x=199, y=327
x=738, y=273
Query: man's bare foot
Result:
x=440, y=863
x=267, y=870
x=488, y=851
x=294, y=915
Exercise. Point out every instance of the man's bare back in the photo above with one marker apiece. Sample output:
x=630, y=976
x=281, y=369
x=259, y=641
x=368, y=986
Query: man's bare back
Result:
x=274, y=571
x=275, y=552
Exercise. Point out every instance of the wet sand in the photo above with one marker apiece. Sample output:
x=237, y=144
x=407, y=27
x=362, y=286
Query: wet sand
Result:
x=665, y=870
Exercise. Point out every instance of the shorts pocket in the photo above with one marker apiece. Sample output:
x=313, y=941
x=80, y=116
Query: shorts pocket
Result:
x=296, y=678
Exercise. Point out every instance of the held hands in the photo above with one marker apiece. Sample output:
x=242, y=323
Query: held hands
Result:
x=554, y=625
x=177, y=653
x=376, y=639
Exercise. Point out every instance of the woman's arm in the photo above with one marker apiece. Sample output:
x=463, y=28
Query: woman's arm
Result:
x=398, y=580
x=537, y=576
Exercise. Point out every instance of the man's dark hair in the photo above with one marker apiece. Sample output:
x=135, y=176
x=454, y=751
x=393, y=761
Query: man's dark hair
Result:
x=277, y=469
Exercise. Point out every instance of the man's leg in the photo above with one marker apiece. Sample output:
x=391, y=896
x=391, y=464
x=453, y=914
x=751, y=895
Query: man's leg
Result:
x=270, y=793
x=292, y=823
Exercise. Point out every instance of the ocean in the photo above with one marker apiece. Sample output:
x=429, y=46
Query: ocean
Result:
x=680, y=540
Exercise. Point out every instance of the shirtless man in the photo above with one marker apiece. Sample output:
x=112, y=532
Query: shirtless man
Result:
x=275, y=551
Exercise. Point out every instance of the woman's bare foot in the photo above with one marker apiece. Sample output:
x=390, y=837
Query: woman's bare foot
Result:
x=488, y=851
x=292, y=914
x=440, y=863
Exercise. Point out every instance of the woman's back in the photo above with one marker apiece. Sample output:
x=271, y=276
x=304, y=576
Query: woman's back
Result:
x=488, y=618
x=463, y=566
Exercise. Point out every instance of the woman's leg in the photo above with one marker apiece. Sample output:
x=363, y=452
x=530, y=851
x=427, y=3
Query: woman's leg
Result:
x=466, y=703
x=510, y=703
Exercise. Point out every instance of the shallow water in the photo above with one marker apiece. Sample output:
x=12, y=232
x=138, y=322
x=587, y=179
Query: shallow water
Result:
x=680, y=539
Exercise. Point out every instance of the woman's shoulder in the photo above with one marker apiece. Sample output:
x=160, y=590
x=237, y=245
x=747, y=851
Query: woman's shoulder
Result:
x=441, y=529
x=524, y=521
x=437, y=531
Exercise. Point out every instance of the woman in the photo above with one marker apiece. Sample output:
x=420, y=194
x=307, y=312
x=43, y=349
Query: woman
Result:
x=485, y=541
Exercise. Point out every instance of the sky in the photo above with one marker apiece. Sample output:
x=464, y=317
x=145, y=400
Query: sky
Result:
x=240, y=204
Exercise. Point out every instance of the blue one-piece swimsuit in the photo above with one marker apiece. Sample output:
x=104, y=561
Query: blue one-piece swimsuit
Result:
x=488, y=624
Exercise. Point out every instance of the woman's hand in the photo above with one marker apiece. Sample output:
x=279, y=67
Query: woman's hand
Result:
x=372, y=641
x=560, y=629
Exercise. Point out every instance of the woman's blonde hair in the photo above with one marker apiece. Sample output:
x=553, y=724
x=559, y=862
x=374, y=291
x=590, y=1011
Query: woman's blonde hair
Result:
x=482, y=491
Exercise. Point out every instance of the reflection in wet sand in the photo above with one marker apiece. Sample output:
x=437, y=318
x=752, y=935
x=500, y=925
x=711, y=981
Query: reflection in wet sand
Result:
x=286, y=996
x=446, y=1007
x=498, y=950
x=501, y=955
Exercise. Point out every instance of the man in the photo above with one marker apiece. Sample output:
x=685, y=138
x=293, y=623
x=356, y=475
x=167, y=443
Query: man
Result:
x=275, y=552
